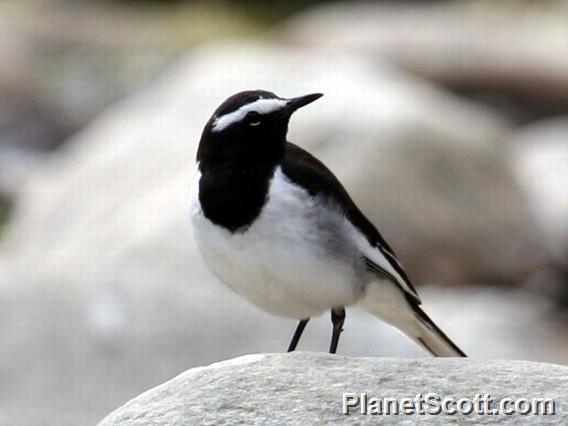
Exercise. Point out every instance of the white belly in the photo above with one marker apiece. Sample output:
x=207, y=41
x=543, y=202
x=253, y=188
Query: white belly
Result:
x=287, y=262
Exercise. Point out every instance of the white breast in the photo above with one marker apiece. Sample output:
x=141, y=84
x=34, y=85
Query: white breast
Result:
x=294, y=260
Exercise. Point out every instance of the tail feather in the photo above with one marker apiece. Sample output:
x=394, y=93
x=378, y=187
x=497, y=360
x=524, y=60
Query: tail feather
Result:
x=431, y=338
x=387, y=302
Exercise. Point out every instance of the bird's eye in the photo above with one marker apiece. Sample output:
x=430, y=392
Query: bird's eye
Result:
x=252, y=118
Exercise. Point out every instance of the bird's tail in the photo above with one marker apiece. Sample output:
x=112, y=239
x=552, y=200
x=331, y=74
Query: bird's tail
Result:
x=431, y=338
x=389, y=304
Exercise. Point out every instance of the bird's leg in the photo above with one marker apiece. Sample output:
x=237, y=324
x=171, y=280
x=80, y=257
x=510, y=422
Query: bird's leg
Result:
x=337, y=318
x=297, y=334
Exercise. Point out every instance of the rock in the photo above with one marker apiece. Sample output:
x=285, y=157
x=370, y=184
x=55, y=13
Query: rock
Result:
x=309, y=388
x=26, y=134
x=487, y=46
x=103, y=294
x=539, y=155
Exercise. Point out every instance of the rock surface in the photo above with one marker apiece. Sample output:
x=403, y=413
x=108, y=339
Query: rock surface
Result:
x=307, y=388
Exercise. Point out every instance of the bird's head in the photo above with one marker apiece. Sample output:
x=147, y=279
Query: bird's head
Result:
x=249, y=124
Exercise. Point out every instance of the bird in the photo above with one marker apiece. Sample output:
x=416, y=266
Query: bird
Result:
x=276, y=226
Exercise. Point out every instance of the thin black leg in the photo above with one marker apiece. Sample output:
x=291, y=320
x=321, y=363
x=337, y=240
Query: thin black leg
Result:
x=337, y=318
x=297, y=334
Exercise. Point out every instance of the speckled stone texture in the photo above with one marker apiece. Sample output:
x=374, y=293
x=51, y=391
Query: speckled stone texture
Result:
x=307, y=388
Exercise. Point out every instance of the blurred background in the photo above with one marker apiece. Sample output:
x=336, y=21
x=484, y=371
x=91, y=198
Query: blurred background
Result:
x=446, y=120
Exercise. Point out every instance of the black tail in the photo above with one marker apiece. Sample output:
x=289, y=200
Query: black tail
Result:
x=432, y=338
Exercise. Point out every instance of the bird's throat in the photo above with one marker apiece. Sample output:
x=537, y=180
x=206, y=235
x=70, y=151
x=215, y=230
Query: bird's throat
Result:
x=233, y=195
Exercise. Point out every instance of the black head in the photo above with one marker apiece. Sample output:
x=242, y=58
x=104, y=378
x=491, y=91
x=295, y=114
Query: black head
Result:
x=248, y=126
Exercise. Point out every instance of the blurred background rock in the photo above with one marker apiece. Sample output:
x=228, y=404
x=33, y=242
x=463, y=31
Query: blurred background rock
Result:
x=448, y=122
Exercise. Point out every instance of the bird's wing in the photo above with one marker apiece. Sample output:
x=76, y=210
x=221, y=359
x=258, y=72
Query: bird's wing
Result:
x=304, y=169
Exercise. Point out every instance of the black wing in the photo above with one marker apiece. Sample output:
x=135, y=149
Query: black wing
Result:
x=304, y=169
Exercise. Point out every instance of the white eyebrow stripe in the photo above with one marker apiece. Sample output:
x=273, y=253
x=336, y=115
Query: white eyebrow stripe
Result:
x=262, y=106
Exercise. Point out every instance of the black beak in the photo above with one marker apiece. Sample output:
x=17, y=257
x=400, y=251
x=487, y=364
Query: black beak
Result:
x=300, y=101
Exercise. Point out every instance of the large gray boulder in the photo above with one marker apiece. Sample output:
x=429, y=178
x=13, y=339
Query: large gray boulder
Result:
x=539, y=155
x=492, y=46
x=102, y=291
x=308, y=388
